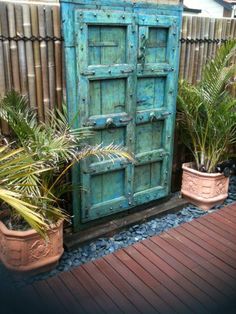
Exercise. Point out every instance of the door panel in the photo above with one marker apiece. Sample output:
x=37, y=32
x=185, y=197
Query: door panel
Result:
x=106, y=92
x=150, y=92
x=107, y=45
x=154, y=108
x=126, y=65
x=156, y=47
x=107, y=96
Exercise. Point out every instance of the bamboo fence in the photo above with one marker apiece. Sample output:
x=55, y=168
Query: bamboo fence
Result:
x=35, y=67
x=32, y=67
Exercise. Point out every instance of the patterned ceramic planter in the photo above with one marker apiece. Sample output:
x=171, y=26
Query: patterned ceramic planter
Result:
x=27, y=251
x=204, y=190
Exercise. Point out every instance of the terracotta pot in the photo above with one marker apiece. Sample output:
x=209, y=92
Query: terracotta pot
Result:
x=28, y=251
x=204, y=190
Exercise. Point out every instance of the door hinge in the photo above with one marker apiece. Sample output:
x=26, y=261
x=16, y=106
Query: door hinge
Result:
x=127, y=71
x=88, y=73
x=90, y=123
x=126, y=119
x=166, y=114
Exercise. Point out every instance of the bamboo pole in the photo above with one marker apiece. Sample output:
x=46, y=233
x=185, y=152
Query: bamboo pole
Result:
x=202, y=25
x=6, y=47
x=233, y=35
x=224, y=26
x=211, y=36
x=58, y=55
x=51, y=63
x=2, y=80
x=192, y=52
x=188, y=47
x=63, y=76
x=206, y=36
x=44, y=59
x=2, y=68
x=30, y=56
x=13, y=47
x=228, y=25
x=196, y=52
x=232, y=28
x=7, y=82
x=183, y=47
x=218, y=34
x=37, y=63
x=227, y=37
x=21, y=51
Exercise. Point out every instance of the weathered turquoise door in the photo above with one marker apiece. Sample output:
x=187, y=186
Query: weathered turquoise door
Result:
x=126, y=77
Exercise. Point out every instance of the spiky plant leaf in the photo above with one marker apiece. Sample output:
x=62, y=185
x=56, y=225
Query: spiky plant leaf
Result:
x=55, y=145
x=15, y=167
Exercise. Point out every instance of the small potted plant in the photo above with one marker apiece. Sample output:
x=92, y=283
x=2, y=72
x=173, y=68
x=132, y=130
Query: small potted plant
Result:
x=207, y=119
x=50, y=148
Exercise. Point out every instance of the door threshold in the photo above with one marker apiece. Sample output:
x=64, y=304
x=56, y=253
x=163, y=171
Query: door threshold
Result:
x=73, y=240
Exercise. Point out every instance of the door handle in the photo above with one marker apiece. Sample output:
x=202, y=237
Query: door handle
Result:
x=153, y=117
x=109, y=122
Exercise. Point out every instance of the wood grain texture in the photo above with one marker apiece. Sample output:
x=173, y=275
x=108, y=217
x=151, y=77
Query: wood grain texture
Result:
x=183, y=270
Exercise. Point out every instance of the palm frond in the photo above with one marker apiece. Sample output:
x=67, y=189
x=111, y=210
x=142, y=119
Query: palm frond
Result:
x=53, y=147
x=206, y=112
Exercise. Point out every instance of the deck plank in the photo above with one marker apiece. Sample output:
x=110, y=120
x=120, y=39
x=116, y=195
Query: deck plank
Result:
x=155, y=279
x=205, y=264
x=208, y=247
x=188, y=269
x=226, y=223
x=211, y=284
x=213, y=242
x=230, y=209
x=137, y=299
x=197, y=287
x=115, y=294
x=69, y=302
x=80, y=293
x=215, y=228
x=186, y=305
x=144, y=290
x=222, y=225
x=227, y=215
x=51, y=301
x=162, y=295
x=101, y=297
x=203, y=253
x=212, y=233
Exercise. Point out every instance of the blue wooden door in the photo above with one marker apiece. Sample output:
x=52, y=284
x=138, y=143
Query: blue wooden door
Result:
x=155, y=106
x=126, y=79
x=107, y=73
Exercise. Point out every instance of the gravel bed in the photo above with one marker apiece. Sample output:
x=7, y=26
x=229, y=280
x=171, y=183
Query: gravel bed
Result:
x=106, y=245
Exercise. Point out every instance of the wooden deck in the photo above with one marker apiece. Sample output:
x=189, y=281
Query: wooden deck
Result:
x=189, y=269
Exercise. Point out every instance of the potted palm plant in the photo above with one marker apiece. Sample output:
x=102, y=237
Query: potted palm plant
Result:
x=30, y=236
x=54, y=147
x=207, y=119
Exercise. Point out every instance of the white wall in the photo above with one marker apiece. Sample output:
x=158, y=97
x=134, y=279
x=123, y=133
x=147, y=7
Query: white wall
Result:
x=209, y=8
